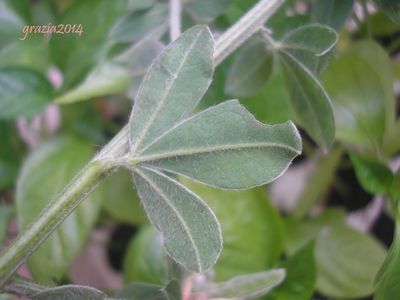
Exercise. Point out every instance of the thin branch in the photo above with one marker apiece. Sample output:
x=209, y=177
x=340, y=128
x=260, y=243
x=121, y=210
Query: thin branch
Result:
x=249, y=24
x=175, y=10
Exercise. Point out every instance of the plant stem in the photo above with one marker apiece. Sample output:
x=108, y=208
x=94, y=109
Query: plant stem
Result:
x=97, y=169
x=69, y=198
x=247, y=25
x=175, y=9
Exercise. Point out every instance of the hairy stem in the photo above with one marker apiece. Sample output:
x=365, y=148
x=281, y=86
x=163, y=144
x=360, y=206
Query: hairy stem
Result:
x=175, y=8
x=97, y=169
x=249, y=24
x=51, y=217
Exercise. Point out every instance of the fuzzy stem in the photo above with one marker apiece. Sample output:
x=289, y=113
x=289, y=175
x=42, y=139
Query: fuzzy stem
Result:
x=97, y=169
x=51, y=217
x=247, y=25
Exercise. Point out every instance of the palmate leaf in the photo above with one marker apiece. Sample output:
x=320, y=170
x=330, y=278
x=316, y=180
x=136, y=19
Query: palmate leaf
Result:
x=223, y=146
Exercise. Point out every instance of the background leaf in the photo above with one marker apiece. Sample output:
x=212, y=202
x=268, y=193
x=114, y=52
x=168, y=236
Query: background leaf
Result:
x=48, y=169
x=206, y=9
x=114, y=76
x=341, y=254
x=271, y=105
x=250, y=70
x=6, y=212
x=333, y=13
x=191, y=232
x=250, y=286
x=23, y=93
x=62, y=292
x=138, y=24
x=10, y=155
x=90, y=47
x=358, y=93
x=373, y=175
x=309, y=101
x=301, y=275
x=240, y=151
x=145, y=291
x=145, y=259
x=312, y=45
x=251, y=229
x=387, y=280
x=120, y=199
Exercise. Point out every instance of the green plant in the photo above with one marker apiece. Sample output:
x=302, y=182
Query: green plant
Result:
x=169, y=146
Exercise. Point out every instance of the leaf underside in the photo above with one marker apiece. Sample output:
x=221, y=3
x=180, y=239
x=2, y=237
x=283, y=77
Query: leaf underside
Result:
x=190, y=230
x=173, y=86
x=226, y=147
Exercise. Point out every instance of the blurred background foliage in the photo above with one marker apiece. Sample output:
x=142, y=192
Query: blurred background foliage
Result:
x=329, y=220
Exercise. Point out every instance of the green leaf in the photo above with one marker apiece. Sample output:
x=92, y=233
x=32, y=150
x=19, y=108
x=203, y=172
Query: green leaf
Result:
x=347, y=262
x=319, y=181
x=250, y=70
x=120, y=200
x=172, y=87
x=70, y=292
x=271, y=105
x=76, y=54
x=395, y=188
x=31, y=53
x=10, y=23
x=206, y=9
x=145, y=291
x=309, y=101
x=226, y=138
x=63, y=292
x=145, y=259
x=392, y=9
x=387, y=280
x=301, y=275
x=300, y=233
x=281, y=24
x=374, y=177
x=311, y=44
x=140, y=23
x=48, y=169
x=333, y=13
x=114, y=76
x=361, y=96
x=23, y=93
x=10, y=154
x=250, y=286
x=191, y=232
x=6, y=212
x=251, y=228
